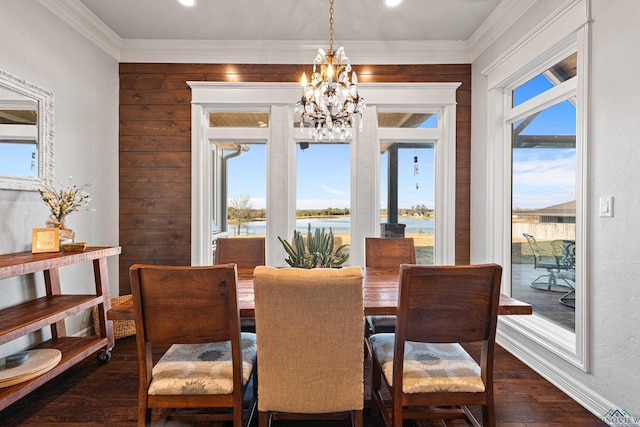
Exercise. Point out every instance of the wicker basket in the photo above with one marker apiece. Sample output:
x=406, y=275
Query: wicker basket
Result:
x=121, y=328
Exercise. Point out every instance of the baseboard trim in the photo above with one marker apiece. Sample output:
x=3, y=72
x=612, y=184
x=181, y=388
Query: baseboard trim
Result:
x=581, y=393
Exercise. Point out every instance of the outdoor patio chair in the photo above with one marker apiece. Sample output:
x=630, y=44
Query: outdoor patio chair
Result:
x=567, y=272
x=561, y=258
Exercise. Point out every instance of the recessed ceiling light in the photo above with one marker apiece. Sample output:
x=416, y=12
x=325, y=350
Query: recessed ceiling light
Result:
x=188, y=2
x=392, y=3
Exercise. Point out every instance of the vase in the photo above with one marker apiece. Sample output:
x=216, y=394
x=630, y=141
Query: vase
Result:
x=66, y=235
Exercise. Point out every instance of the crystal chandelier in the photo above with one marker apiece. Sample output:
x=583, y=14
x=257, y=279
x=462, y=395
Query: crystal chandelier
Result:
x=330, y=100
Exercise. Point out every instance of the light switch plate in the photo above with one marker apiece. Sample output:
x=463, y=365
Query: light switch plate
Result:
x=606, y=207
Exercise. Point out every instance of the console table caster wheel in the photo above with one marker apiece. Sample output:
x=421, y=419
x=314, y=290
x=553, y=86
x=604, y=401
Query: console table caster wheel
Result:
x=104, y=356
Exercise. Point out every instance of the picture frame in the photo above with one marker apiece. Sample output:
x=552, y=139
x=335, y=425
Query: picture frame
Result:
x=45, y=240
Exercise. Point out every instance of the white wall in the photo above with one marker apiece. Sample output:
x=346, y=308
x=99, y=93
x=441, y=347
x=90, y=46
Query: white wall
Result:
x=613, y=255
x=38, y=47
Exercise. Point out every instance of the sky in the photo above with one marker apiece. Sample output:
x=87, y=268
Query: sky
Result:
x=18, y=159
x=329, y=185
x=544, y=177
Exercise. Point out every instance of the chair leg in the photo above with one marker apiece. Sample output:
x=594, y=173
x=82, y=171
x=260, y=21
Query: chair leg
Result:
x=551, y=284
x=264, y=419
x=357, y=418
x=467, y=416
x=398, y=419
x=568, y=283
x=376, y=383
x=251, y=412
x=488, y=416
x=144, y=414
x=568, y=299
x=547, y=283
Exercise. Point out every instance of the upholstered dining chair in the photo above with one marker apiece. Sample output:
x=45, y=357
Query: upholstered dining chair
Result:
x=387, y=252
x=191, y=314
x=427, y=372
x=247, y=253
x=310, y=351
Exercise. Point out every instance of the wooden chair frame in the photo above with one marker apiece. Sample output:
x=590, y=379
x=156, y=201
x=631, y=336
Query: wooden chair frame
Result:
x=247, y=253
x=441, y=305
x=387, y=252
x=187, y=305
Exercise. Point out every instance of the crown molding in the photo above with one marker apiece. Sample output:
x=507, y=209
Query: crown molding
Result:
x=86, y=23
x=79, y=17
x=499, y=21
x=567, y=18
x=291, y=52
x=90, y=26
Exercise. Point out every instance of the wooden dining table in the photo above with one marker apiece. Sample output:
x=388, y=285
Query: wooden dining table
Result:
x=380, y=288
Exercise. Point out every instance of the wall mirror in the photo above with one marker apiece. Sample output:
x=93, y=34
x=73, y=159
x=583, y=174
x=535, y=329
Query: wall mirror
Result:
x=26, y=134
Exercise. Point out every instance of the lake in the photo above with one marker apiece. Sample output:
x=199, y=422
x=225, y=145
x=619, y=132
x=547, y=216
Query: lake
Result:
x=338, y=225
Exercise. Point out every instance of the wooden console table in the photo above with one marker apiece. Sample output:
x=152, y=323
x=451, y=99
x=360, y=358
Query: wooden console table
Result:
x=52, y=309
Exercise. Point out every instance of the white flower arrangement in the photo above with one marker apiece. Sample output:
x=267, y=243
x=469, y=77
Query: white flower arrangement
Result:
x=62, y=201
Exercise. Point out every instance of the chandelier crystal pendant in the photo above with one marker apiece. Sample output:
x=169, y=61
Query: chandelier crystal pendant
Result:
x=330, y=99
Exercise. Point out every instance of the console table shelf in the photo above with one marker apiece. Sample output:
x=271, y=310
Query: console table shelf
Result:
x=73, y=351
x=52, y=309
x=33, y=315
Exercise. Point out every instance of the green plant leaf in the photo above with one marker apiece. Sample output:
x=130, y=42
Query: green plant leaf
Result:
x=315, y=251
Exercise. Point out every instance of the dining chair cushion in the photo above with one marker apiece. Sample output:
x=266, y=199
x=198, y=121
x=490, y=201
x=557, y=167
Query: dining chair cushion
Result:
x=383, y=321
x=201, y=368
x=248, y=324
x=430, y=368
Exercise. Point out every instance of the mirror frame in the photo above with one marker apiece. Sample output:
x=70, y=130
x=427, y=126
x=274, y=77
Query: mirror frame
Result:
x=45, y=126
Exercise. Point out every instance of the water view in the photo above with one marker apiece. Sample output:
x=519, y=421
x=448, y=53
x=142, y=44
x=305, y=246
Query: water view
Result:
x=338, y=225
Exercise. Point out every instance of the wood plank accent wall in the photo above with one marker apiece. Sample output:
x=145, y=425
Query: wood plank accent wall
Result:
x=155, y=149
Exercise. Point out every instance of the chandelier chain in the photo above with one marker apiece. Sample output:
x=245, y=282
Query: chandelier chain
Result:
x=330, y=98
x=331, y=26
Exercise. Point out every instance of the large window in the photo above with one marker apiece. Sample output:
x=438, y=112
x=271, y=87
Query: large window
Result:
x=407, y=188
x=290, y=184
x=543, y=201
x=407, y=181
x=245, y=194
x=323, y=193
x=323, y=189
x=238, y=172
x=536, y=163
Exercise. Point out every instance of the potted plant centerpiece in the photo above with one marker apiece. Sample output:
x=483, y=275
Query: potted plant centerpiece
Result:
x=314, y=250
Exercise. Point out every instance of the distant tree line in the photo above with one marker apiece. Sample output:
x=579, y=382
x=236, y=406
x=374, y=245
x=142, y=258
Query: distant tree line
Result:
x=323, y=212
x=415, y=211
x=240, y=211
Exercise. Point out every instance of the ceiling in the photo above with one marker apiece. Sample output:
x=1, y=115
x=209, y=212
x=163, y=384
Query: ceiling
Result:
x=293, y=20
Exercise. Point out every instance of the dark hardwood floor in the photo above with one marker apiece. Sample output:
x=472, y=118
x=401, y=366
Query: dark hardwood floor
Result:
x=90, y=394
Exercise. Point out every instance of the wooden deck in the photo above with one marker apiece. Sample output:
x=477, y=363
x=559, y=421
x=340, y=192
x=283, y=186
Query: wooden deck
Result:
x=90, y=394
